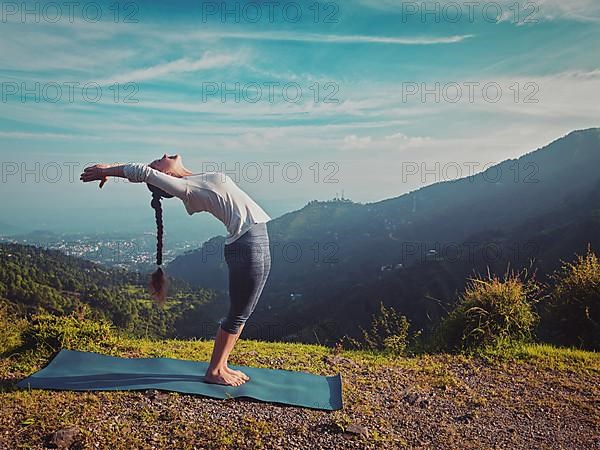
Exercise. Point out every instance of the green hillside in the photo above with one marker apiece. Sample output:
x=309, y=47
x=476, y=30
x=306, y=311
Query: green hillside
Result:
x=422, y=291
x=38, y=280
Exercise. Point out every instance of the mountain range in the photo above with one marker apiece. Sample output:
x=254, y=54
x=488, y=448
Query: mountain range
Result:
x=333, y=261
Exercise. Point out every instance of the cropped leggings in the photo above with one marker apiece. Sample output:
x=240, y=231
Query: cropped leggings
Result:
x=249, y=261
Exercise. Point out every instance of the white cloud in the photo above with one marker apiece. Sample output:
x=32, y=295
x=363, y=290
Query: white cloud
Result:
x=570, y=95
x=42, y=136
x=395, y=142
x=579, y=10
x=405, y=141
x=352, y=142
x=183, y=65
x=537, y=10
x=330, y=38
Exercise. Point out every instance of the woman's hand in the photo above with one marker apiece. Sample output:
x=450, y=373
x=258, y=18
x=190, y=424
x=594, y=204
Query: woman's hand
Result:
x=95, y=173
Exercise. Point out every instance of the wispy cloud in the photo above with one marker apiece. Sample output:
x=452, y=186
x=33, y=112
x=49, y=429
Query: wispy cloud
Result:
x=547, y=10
x=40, y=136
x=579, y=10
x=207, y=61
x=332, y=38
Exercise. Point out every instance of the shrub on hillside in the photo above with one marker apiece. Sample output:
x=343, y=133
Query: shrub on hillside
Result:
x=388, y=332
x=56, y=332
x=490, y=311
x=11, y=327
x=574, y=303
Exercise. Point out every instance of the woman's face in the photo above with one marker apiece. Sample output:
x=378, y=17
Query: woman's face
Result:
x=168, y=164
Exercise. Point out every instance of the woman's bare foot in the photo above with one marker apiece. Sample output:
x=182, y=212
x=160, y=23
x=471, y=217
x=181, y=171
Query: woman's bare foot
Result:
x=222, y=376
x=237, y=373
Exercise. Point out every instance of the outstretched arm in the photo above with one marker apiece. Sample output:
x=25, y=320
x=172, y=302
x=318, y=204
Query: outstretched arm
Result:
x=137, y=173
x=101, y=172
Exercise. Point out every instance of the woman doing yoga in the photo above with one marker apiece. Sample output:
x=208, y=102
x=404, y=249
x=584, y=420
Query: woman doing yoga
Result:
x=246, y=246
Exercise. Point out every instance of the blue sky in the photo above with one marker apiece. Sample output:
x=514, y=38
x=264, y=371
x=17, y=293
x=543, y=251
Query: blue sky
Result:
x=368, y=60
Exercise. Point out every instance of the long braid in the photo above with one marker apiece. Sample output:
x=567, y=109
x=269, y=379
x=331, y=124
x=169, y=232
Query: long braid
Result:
x=155, y=203
x=158, y=280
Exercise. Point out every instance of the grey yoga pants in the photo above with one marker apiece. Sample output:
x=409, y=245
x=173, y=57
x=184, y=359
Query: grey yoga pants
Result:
x=249, y=261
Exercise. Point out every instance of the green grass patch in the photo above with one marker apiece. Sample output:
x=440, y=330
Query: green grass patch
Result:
x=546, y=356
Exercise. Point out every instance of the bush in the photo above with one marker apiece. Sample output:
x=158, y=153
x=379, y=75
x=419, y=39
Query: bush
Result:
x=388, y=332
x=54, y=332
x=11, y=327
x=574, y=303
x=489, y=312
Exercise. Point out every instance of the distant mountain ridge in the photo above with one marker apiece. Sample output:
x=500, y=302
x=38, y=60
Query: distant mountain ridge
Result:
x=342, y=243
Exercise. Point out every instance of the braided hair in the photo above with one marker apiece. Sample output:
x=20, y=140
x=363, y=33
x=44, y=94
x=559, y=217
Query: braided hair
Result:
x=158, y=280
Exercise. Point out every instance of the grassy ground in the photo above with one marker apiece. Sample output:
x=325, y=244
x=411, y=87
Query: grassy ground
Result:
x=532, y=396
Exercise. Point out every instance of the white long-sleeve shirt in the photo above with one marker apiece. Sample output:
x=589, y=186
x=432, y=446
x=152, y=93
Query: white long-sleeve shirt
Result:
x=214, y=192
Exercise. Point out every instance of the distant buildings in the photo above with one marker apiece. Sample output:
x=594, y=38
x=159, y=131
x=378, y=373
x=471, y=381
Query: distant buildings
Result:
x=132, y=253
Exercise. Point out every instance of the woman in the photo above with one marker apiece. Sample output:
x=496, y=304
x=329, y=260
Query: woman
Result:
x=246, y=247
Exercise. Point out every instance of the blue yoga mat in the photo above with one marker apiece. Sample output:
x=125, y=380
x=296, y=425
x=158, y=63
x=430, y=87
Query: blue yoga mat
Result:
x=89, y=371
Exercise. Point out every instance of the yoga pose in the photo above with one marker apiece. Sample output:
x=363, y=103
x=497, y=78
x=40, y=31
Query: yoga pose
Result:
x=246, y=247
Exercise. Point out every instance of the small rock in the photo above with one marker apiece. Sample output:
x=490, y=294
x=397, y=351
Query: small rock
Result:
x=333, y=360
x=414, y=398
x=154, y=394
x=64, y=438
x=357, y=429
x=467, y=417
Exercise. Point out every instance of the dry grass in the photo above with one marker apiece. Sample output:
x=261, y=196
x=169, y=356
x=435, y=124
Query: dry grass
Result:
x=527, y=396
